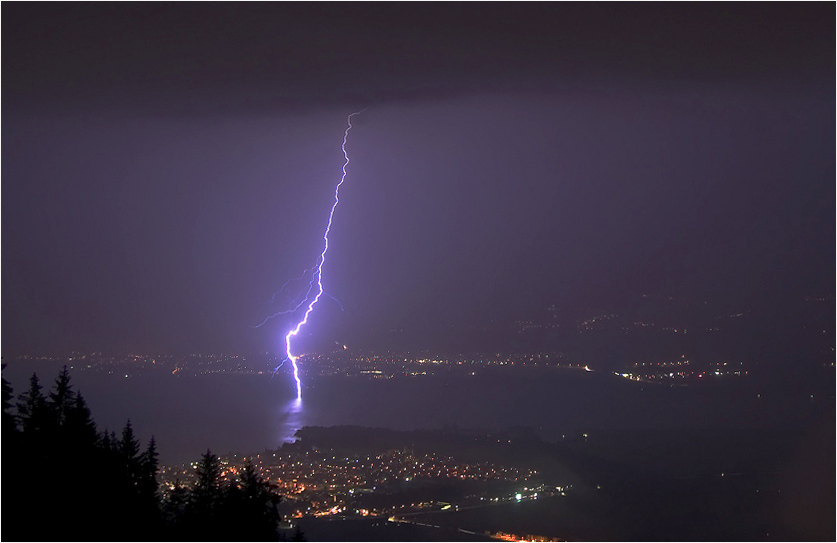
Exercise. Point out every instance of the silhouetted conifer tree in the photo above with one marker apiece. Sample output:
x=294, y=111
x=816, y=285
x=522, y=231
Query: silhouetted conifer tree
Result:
x=32, y=409
x=256, y=504
x=7, y=396
x=149, y=498
x=174, y=512
x=61, y=398
x=104, y=440
x=9, y=422
x=207, y=491
x=148, y=468
x=129, y=450
x=80, y=423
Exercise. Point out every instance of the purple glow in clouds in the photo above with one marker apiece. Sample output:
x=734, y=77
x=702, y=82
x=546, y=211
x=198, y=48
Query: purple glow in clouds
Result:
x=318, y=273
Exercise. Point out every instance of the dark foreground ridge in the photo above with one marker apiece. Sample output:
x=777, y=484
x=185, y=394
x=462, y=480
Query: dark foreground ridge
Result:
x=65, y=481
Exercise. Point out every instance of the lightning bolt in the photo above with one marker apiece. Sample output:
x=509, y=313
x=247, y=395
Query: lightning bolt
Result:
x=317, y=274
x=298, y=301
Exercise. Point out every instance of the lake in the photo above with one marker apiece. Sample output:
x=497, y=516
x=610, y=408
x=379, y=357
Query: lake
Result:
x=249, y=413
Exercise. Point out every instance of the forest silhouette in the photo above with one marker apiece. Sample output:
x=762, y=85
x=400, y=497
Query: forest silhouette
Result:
x=63, y=480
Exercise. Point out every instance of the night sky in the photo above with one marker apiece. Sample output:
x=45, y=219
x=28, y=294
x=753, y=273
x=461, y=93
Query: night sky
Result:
x=167, y=167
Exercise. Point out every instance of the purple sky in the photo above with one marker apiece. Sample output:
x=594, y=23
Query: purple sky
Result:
x=167, y=167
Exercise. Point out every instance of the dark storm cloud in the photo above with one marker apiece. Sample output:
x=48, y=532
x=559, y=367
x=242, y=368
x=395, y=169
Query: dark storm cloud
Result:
x=166, y=166
x=202, y=58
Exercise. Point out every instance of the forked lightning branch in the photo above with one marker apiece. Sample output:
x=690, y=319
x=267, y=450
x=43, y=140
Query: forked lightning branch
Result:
x=316, y=271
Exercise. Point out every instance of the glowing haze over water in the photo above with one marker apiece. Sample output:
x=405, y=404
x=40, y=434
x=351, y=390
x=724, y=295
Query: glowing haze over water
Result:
x=318, y=272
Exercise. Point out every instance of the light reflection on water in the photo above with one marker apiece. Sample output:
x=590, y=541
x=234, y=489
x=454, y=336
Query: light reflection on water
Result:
x=290, y=420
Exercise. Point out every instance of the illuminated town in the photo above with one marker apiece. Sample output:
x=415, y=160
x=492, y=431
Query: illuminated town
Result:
x=397, y=485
